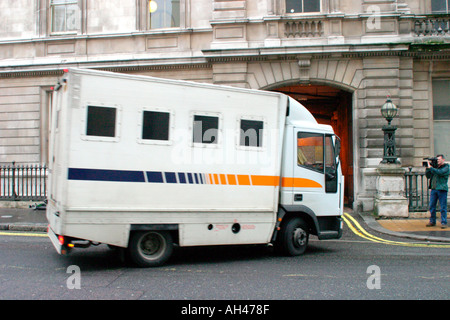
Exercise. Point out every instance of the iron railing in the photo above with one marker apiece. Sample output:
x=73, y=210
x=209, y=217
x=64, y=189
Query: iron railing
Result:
x=417, y=192
x=23, y=182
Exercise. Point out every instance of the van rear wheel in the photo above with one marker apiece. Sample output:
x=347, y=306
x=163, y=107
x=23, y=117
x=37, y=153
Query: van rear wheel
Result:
x=150, y=248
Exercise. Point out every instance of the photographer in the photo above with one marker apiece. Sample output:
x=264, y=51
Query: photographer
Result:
x=438, y=175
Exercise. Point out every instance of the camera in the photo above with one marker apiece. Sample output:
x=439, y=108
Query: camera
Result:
x=433, y=162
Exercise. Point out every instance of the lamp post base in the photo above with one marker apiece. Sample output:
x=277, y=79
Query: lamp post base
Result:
x=390, y=199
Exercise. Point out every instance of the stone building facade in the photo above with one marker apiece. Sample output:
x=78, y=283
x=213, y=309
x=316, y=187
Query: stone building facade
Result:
x=340, y=58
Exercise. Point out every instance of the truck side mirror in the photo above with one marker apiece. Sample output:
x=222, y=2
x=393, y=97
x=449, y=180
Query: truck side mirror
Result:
x=337, y=149
x=337, y=146
x=331, y=175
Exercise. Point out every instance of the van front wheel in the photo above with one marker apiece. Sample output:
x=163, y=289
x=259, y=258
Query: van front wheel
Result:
x=294, y=237
x=150, y=248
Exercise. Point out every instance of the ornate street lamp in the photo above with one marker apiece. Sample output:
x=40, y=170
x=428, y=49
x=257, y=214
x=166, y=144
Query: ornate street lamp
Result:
x=389, y=111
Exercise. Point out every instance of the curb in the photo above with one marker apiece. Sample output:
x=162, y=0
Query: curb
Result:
x=36, y=227
x=374, y=225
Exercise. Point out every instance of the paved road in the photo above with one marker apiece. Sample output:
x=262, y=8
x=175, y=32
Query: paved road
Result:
x=31, y=269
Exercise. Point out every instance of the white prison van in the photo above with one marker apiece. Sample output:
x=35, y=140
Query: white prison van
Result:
x=144, y=164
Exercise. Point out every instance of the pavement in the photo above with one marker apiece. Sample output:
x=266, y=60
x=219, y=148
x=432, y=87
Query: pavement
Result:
x=29, y=219
x=410, y=228
x=23, y=219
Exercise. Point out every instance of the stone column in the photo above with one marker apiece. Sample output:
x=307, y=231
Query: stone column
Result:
x=390, y=199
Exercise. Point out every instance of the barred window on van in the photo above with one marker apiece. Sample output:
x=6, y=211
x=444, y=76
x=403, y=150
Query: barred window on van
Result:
x=155, y=125
x=206, y=129
x=251, y=133
x=101, y=121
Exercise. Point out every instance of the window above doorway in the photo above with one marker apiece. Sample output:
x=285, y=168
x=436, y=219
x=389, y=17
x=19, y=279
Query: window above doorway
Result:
x=440, y=6
x=302, y=6
x=64, y=16
x=160, y=14
x=163, y=14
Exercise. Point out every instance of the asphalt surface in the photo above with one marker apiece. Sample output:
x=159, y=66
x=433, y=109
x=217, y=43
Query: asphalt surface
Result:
x=340, y=269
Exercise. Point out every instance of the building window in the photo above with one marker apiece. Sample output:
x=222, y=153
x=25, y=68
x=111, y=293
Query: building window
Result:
x=65, y=16
x=439, y=6
x=298, y=6
x=441, y=117
x=163, y=14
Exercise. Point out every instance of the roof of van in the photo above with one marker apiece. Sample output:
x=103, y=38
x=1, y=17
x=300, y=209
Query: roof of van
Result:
x=171, y=81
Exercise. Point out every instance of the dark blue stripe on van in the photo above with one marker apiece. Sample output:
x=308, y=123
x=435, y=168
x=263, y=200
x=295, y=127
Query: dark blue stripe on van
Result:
x=154, y=176
x=181, y=177
x=106, y=175
x=136, y=176
x=170, y=177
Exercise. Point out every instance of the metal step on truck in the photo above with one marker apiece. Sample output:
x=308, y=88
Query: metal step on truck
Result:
x=145, y=163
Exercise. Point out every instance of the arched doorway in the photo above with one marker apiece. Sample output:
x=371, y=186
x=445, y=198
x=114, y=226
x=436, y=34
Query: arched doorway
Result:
x=333, y=106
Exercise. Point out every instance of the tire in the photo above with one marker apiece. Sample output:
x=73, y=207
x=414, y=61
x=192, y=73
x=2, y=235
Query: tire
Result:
x=294, y=237
x=150, y=248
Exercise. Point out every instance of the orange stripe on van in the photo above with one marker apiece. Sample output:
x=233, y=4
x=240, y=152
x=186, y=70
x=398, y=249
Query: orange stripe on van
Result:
x=300, y=183
x=265, y=180
x=256, y=180
x=243, y=180
x=232, y=179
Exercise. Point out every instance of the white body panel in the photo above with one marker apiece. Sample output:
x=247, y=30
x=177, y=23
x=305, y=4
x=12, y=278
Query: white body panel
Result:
x=102, y=186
